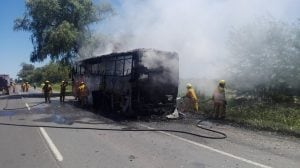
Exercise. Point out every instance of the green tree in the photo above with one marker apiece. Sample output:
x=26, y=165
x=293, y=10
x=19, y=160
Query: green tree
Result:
x=55, y=72
x=38, y=76
x=59, y=27
x=26, y=72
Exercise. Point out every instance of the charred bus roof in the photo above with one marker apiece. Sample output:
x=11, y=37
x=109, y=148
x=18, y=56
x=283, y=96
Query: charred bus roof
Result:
x=171, y=55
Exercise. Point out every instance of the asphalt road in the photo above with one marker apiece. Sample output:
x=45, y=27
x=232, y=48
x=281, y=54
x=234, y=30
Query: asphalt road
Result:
x=42, y=147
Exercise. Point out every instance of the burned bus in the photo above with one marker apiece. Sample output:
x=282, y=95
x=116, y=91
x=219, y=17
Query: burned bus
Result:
x=4, y=83
x=137, y=82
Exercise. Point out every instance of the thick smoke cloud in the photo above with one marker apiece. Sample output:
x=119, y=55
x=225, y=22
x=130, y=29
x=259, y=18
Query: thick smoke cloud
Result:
x=196, y=29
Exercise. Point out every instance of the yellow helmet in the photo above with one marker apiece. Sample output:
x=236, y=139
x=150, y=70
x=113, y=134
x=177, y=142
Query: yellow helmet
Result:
x=63, y=81
x=222, y=82
x=47, y=81
x=188, y=85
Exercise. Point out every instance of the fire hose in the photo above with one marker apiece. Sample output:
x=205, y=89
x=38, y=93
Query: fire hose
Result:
x=223, y=135
x=123, y=130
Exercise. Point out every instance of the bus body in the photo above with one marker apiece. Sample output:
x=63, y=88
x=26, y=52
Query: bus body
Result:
x=4, y=83
x=137, y=82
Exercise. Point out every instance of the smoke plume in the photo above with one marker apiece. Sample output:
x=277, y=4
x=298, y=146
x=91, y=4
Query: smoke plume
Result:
x=197, y=30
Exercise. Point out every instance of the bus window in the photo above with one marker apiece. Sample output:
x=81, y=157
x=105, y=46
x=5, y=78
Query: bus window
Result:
x=75, y=69
x=109, y=67
x=119, y=67
x=82, y=70
x=95, y=69
x=102, y=68
x=127, y=66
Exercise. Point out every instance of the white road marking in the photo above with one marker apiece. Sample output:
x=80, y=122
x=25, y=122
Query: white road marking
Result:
x=52, y=146
x=27, y=106
x=212, y=149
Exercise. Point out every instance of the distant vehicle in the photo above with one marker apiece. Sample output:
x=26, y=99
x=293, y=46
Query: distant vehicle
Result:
x=137, y=82
x=4, y=83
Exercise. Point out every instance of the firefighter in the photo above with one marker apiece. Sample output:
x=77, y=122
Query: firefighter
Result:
x=192, y=99
x=219, y=101
x=27, y=86
x=14, y=87
x=23, y=87
x=83, y=93
x=63, y=87
x=47, y=89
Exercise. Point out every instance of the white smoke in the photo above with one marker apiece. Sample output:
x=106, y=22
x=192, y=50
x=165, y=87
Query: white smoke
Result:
x=196, y=29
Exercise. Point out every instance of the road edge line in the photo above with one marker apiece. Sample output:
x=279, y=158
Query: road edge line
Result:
x=212, y=149
x=51, y=145
x=28, y=107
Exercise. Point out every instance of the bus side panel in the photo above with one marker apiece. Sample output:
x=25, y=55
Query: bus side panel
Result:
x=93, y=84
x=115, y=97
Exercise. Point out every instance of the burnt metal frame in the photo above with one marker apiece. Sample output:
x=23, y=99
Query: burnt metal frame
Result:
x=136, y=70
x=88, y=66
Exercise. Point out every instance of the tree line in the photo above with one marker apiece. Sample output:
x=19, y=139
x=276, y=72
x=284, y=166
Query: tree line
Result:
x=54, y=72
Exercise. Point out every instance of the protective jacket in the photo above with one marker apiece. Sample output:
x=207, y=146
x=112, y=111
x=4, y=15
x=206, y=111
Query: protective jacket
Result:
x=219, y=95
x=193, y=98
x=191, y=94
x=47, y=88
x=83, y=91
x=63, y=88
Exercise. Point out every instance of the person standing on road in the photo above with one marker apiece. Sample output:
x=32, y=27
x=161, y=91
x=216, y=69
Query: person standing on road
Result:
x=192, y=98
x=47, y=89
x=219, y=101
x=14, y=87
x=23, y=87
x=26, y=86
x=63, y=87
x=83, y=94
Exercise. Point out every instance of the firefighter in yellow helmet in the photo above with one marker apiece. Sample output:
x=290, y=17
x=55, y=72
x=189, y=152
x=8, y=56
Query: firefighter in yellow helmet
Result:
x=219, y=101
x=23, y=87
x=63, y=87
x=192, y=98
x=83, y=93
x=47, y=89
x=14, y=87
x=27, y=86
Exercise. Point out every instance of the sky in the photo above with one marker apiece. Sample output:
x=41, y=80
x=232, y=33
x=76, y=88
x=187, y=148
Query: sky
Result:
x=196, y=29
x=15, y=46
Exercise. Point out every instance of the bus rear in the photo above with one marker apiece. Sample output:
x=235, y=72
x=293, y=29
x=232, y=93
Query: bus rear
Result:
x=156, y=76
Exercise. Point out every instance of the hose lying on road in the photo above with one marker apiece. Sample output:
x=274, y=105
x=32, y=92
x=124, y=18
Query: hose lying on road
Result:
x=211, y=130
x=127, y=130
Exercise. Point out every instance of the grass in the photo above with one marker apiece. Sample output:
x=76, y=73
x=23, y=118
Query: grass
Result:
x=281, y=117
x=56, y=87
x=284, y=118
